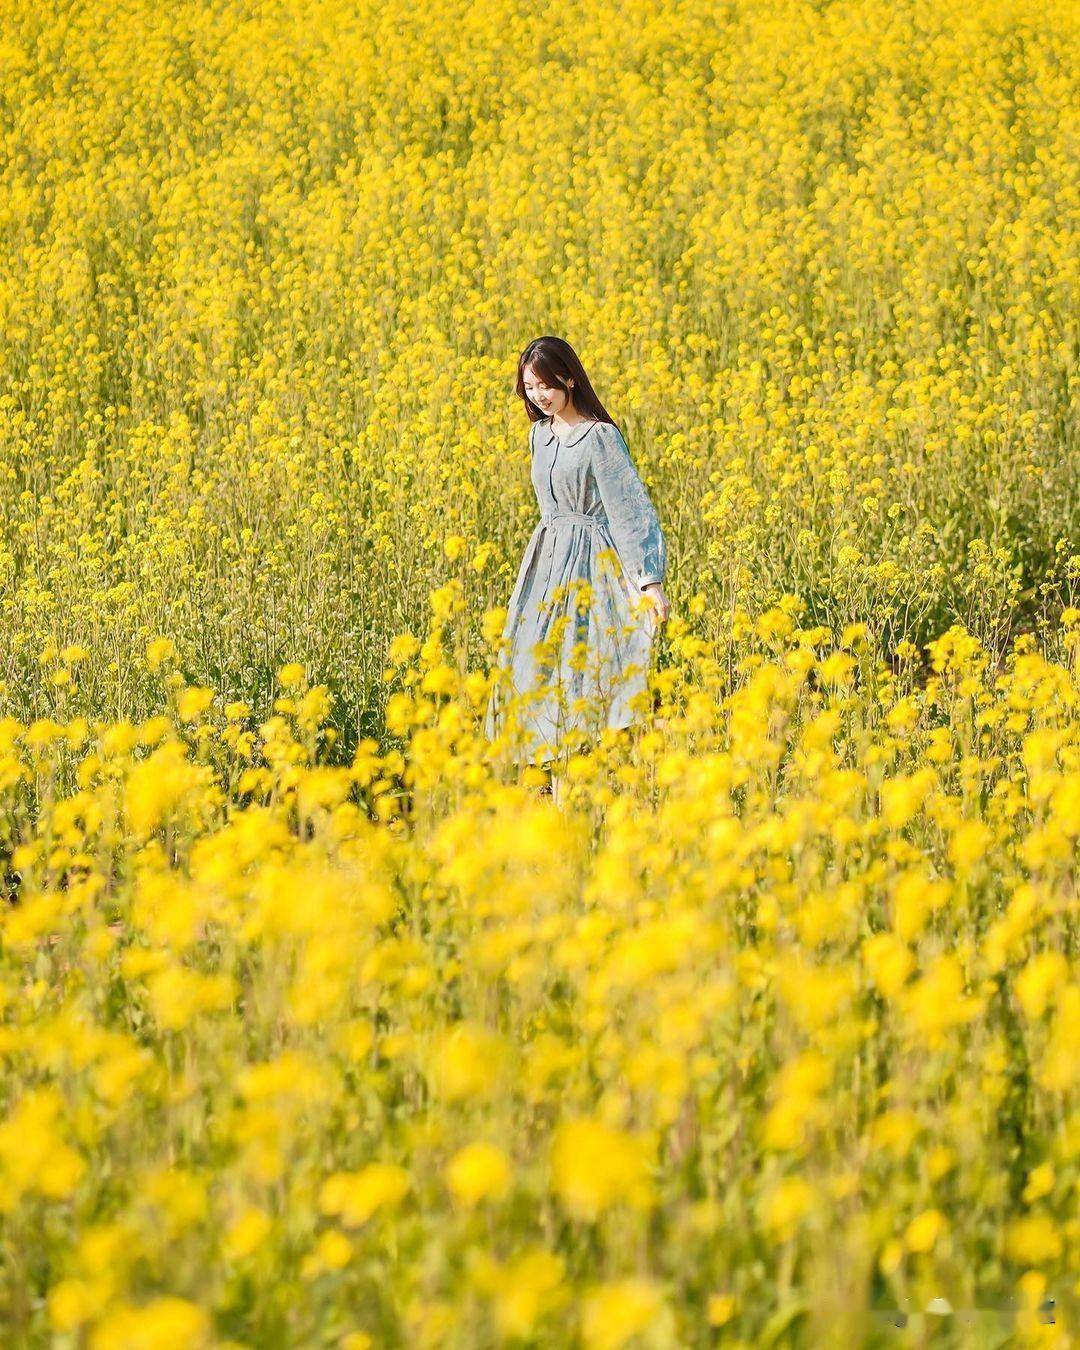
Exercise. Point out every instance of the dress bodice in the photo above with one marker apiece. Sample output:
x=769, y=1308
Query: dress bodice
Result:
x=560, y=469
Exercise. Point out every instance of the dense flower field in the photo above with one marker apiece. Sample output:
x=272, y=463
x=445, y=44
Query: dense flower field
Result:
x=317, y=1028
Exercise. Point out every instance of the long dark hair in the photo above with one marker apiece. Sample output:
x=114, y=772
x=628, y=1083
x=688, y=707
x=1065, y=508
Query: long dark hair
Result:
x=556, y=362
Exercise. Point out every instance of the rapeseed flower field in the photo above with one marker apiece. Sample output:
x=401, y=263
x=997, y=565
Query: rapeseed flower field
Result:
x=317, y=1026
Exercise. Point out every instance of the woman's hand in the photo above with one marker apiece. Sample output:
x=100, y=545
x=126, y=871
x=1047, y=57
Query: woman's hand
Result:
x=661, y=605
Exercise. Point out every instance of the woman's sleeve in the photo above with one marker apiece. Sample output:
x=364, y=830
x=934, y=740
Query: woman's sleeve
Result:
x=635, y=526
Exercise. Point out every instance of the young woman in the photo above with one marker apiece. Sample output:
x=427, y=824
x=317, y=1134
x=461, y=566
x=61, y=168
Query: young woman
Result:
x=589, y=592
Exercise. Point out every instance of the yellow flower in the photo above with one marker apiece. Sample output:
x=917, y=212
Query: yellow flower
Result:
x=445, y=600
x=815, y=995
x=322, y=788
x=333, y=1251
x=247, y=1233
x=924, y=1230
x=464, y=1062
x=478, y=1172
x=179, y=1196
x=797, y=1100
x=75, y=1301
x=33, y=1154
x=595, y=1167
x=355, y=1196
x=163, y=1324
x=402, y=649
x=177, y=995
x=1043, y=975
x=936, y=1003
x=192, y=702
x=493, y=623
x=441, y=679
x=891, y=1258
x=292, y=675
x=481, y=557
x=721, y=1308
x=784, y=1207
x=915, y=897
x=159, y=651
x=1033, y=1241
x=939, y=1161
x=25, y=924
x=939, y=745
x=854, y=634
x=969, y=844
x=774, y=623
x=1040, y=1182
x=837, y=669
x=355, y=1039
x=903, y=796
x=612, y=1313
x=158, y=784
x=895, y=1131
x=521, y=1291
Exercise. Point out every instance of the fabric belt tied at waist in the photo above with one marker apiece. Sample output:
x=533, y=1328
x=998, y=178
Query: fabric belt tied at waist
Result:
x=548, y=516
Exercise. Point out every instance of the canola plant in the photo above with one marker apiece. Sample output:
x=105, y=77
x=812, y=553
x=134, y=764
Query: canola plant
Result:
x=318, y=1027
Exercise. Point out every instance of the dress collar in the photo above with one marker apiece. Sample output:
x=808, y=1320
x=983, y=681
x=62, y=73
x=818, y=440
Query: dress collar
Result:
x=572, y=439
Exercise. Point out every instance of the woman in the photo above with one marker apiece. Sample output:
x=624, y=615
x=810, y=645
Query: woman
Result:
x=589, y=592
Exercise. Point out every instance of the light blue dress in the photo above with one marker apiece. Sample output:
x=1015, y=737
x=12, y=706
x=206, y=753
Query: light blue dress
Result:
x=579, y=630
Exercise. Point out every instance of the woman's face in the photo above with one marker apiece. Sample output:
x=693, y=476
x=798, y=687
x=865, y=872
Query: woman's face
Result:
x=548, y=398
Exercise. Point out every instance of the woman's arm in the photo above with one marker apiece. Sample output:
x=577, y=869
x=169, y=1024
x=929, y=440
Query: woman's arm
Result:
x=635, y=526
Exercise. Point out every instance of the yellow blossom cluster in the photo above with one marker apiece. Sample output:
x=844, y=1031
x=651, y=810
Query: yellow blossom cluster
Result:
x=773, y=1018
x=318, y=1026
x=264, y=276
